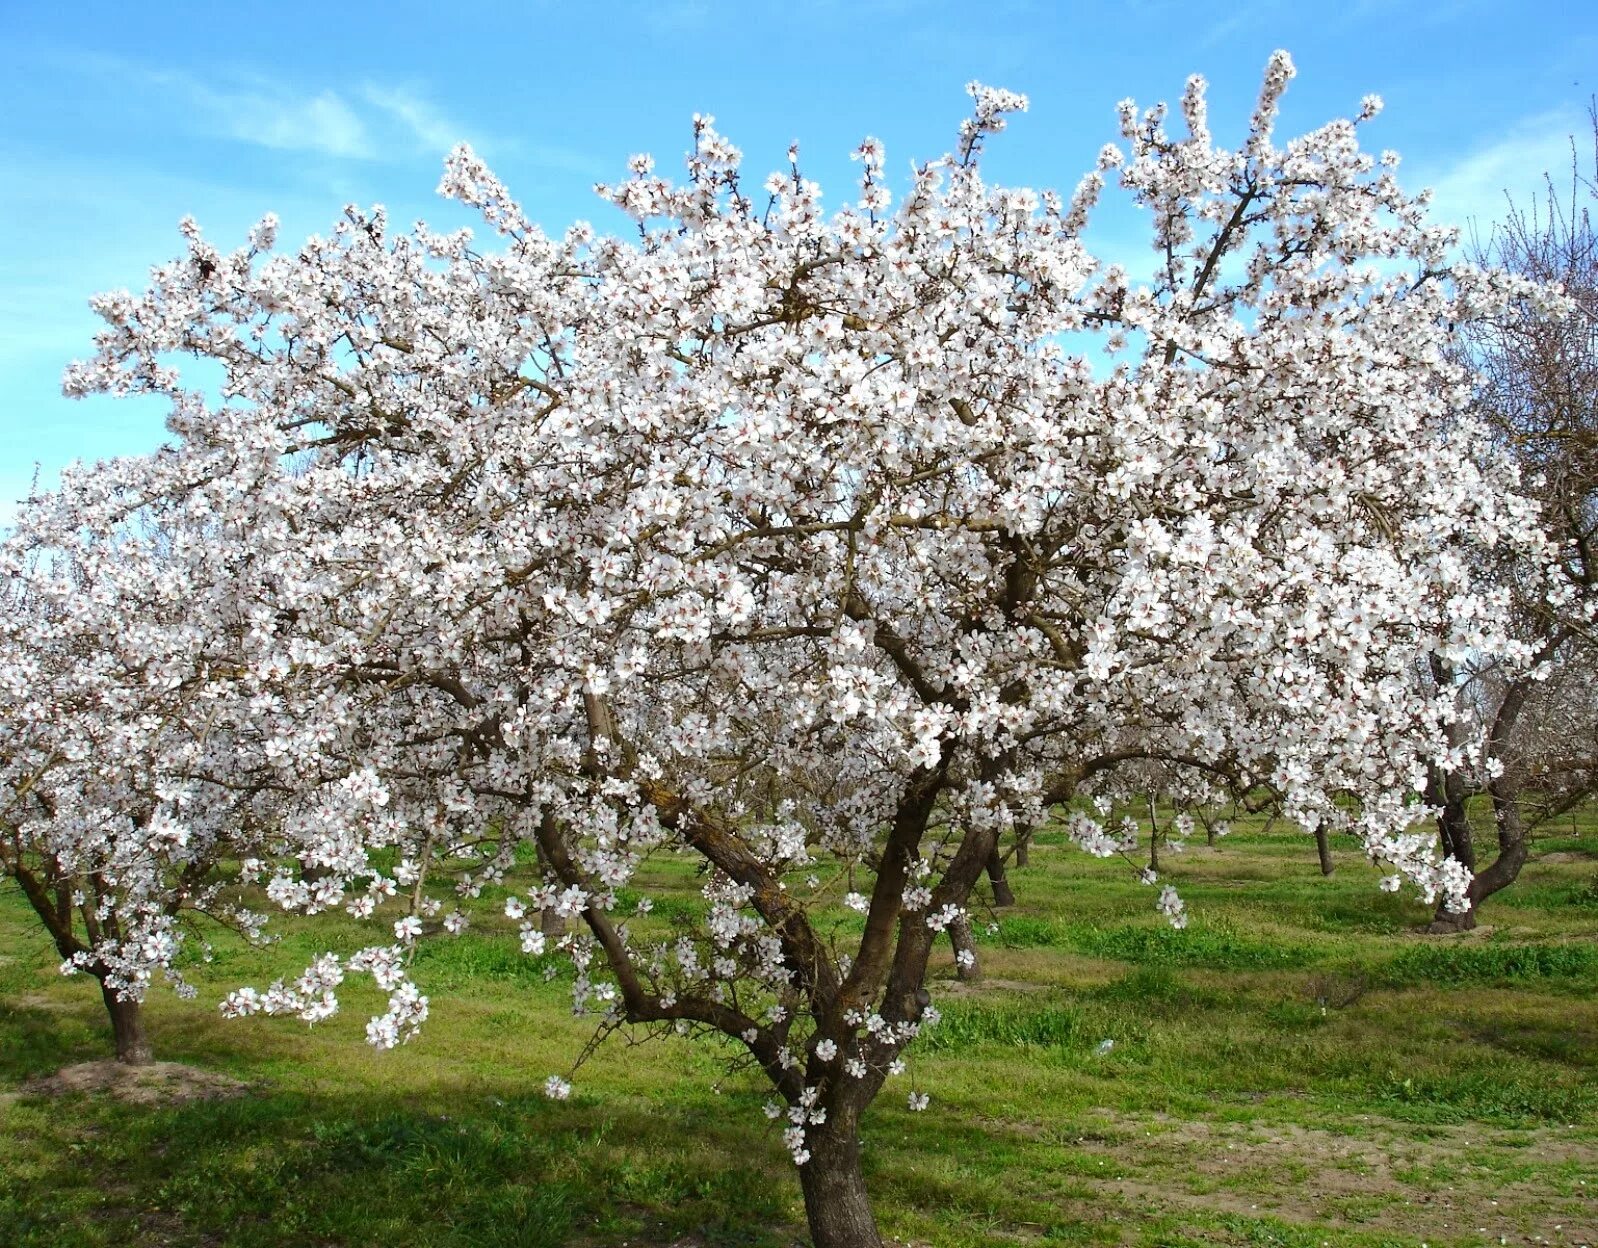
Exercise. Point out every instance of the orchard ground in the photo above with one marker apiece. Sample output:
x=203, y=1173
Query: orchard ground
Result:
x=1297, y=1068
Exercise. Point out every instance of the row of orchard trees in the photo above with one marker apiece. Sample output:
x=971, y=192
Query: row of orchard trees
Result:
x=806, y=545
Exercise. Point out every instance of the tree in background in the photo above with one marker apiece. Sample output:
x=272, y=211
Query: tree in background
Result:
x=1538, y=397
x=129, y=753
x=812, y=549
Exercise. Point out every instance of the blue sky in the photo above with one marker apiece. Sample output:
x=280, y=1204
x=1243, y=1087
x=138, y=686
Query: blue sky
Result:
x=119, y=118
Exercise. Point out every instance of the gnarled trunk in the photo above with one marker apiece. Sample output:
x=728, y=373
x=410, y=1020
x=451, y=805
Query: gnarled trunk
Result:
x=834, y=1185
x=1448, y=792
x=127, y=1027
x=1497, y=875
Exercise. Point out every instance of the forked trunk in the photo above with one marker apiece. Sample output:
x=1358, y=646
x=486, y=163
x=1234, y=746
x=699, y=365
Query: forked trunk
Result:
x=1498, y=874
x=127, y=1028
x=836, y=1204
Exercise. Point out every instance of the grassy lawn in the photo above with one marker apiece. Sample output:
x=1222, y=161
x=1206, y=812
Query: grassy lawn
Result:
x=1298, y=1068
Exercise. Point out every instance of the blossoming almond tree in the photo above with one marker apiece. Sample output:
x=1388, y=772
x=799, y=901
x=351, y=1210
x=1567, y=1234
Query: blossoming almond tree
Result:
x=126, y=775
x=817, y=549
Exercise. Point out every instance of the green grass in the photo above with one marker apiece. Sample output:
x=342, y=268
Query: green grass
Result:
x=1297, y=1067
x=1497, y=962
x=1218, y=946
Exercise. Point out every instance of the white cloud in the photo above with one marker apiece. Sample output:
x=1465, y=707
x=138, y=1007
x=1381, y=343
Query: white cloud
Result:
x=1478, y=189
x=324, y=123
x=370, y=122
x=265, y=112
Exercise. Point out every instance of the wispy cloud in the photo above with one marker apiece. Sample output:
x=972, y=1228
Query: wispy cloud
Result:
x=372, y=121
x=427, y=127
x=1478, y=188
x=279, y=119
x=262, y=111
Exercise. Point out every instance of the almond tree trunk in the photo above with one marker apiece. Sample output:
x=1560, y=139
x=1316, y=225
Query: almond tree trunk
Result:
x=1454, y=830
x=1323, y=847
x=967, y=966
x=552, y=923
x=1002, y=896
x=834, y=1185
x=1498, y=874
x=127, y=1027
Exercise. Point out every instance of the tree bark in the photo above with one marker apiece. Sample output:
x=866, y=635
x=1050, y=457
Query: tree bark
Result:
x=1449, y=793
x=1497, y=875
x=960, y=938
x=127, y=1028
x=550, y=922
x=1002, y=896
x=1323, y=848
x=834, y=1185
x=1023, y=846
x=1447, y=922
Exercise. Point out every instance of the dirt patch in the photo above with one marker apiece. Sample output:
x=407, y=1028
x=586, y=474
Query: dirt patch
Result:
x=1429, y=932
x=1569, y=855
x=639, y=1241
x=1388, y=1177
x=42, y=1001
x=157, y=1083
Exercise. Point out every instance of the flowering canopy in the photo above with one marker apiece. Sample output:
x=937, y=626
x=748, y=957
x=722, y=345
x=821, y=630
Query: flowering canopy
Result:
x=128, y=769
x=818, y=547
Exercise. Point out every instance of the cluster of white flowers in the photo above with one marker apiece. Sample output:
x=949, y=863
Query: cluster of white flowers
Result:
x=1172, y=907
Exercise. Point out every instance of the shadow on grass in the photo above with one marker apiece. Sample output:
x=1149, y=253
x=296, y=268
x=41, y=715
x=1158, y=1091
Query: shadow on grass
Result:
x=37, y=1039
x=462, y=1161
x=285, y=1167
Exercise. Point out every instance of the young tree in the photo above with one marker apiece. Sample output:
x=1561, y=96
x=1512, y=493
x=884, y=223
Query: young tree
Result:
x=1538, y=396
x=811, y=547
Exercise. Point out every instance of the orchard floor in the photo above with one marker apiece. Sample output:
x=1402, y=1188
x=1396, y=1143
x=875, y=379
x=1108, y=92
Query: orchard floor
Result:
x=1297, y=1068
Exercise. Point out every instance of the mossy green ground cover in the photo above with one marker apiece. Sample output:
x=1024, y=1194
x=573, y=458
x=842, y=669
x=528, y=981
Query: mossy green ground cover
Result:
x=1298, y=1067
